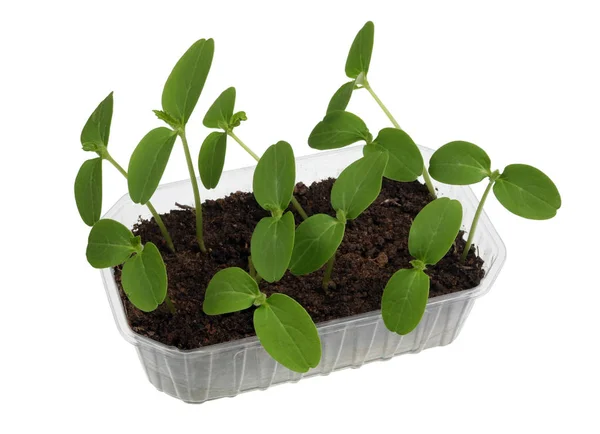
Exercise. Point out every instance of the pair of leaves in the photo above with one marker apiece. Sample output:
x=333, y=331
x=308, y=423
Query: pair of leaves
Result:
x=357, y=64
x=319, y=236
x=273, y=185
x=431, y=235
x=88, y=182
x=522, y=189
x=282, y=325
x=144, y=275
x=405, y=163
x=186, y=81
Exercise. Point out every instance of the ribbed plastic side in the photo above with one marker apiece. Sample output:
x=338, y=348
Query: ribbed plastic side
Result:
x=231, y=368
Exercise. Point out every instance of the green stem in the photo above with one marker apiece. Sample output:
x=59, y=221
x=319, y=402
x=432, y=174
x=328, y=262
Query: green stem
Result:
x=157, y=218
x=251, y=268
x=476, y=220
x=393, y=120
x=295, y=202
x=328, y=270
x=194, y=181
x=170, y=305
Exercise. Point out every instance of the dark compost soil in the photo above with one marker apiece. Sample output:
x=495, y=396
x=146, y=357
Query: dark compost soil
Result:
x=374, y=247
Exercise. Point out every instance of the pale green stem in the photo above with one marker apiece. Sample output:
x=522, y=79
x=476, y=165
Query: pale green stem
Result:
x=476, y=220
x=194, y=181
x=295, y=202
x=328, y=270
x=251, y=268
x=170, y=305
x=157, y=218
x=426, y=176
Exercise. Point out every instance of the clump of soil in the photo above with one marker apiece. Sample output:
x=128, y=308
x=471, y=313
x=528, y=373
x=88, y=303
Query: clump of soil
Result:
x=375, y=246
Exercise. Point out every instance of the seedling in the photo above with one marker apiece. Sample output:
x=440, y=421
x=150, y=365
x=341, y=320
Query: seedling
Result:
x=144, y=276
x=318, y=237
x=431, y=235
x=180, y=95
x=357, y=68
x=273, y=238
x=88, y=183
x=212, y=153
x=282, y=325
x=521, y=189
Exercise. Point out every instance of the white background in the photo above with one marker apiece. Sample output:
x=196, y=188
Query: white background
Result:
x=521, y=79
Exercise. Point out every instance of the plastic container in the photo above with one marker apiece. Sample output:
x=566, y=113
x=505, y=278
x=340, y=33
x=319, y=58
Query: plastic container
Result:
x=230, y=368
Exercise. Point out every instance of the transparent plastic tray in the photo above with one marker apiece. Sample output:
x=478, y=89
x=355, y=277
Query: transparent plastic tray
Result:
x=230, y=368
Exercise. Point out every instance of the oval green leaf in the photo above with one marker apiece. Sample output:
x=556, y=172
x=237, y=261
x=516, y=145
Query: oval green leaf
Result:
x=144, y=279
x=221, y=111
x=341, y=98
x=527, y=192
x=88, y=191
x=230, y=290
x=272, y=245
x=97, y=128
x=359, y=184
x=434, y=230
x=317, y=239
x=405, y=163
x=275, y=177
x=404, y=300
x=148, y=163
x=212, y=158
x=338, y=129
x=288, y=333
x=110, y=244
x=460, y=163
x=359, y=57
x=186, y=81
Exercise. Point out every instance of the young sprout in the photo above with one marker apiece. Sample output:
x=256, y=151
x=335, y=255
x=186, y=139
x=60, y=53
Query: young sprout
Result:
x=212, y=153
x=431, y=235
x=357, y=68
x=521, y=189
x=282, y=325
x=180, y=95
x=342, y=128
x=88, y=183
x=318, y=237
x=144, y=276
x=273, y=238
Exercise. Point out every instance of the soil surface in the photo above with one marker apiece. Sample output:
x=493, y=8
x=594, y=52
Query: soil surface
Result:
x=374, y=247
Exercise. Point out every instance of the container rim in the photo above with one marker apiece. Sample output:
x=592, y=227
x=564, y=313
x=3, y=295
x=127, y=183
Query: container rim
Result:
x=136, y=339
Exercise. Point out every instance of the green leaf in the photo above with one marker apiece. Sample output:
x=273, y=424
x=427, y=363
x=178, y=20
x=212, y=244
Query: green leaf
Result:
x=148, y=163
x=317, y=239
x=338, y=129
x=88, y=191
x=271, y=246
x=460, y=163
x=359, y=57
x=110, y=244
x=434, y=230
x=341, y=98
x=288, y=333
x=359, y=185
x=274, y=177
x=144, y=279
x=212, y=158
x=230, y=290
x=186, y=81
x=220, y=112
x=527, y=192
x=97, y=128
x=404, y=300
x=237, y=119
x=405, y=161
x=166, y=117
